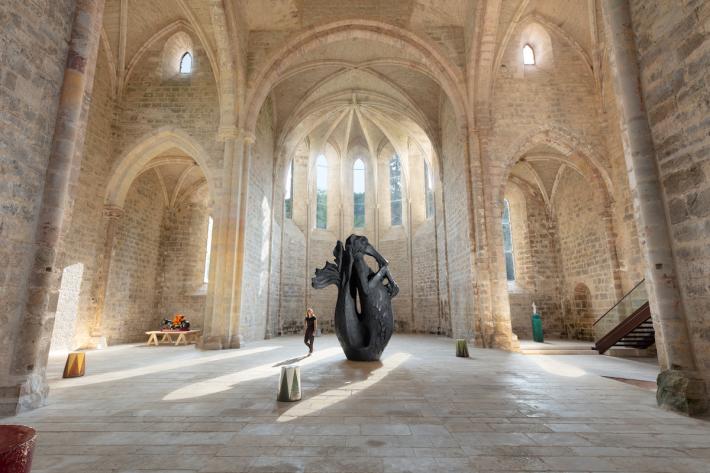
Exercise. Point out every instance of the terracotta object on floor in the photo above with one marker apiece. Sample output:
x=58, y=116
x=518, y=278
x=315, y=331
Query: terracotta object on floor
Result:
x=17, y=444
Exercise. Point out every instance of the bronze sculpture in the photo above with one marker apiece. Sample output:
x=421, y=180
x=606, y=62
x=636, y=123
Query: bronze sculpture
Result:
x=364, y=334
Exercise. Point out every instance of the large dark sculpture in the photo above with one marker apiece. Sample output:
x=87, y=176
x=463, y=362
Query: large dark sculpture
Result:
x=363, y=334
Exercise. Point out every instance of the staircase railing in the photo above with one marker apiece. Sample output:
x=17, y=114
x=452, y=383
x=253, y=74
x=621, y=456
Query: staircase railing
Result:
x=627, y=305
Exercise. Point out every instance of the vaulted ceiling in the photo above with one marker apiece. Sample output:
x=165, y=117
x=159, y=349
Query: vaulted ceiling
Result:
x=243, y=36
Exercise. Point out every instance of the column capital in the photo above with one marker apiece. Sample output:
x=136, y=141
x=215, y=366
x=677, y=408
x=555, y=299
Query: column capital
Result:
x=233, y=133
x=112, y=212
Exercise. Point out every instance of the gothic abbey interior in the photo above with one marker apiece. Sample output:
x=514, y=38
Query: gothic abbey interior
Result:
x=506, y=157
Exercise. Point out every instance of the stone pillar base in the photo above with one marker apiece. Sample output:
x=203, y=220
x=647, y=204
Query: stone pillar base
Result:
x=682, y=391
x=9, y=397
x=235, y=342
x=211, y=343
x=33, y=393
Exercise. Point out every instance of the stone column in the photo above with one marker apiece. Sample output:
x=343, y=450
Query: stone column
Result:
x=495, y=326
x=222, y=318
x=679, y=385
x=28, y=369
x=112, y=216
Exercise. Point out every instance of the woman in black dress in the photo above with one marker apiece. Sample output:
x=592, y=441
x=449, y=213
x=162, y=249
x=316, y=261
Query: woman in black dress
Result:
x=311, y=324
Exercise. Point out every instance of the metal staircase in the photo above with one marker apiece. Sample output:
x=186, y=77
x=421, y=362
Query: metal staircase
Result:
x=627, y=324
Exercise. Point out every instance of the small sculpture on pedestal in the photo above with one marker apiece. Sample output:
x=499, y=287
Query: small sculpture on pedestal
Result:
x=363, y=334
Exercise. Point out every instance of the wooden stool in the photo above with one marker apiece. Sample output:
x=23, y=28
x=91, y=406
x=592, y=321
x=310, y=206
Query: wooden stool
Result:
x=75, y=365
x=289, y=384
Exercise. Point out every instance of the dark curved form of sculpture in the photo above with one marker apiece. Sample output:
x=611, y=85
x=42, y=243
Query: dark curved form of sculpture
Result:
x=364, y=334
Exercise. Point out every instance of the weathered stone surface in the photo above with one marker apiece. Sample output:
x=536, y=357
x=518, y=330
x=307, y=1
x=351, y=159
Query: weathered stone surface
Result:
x=682, y=392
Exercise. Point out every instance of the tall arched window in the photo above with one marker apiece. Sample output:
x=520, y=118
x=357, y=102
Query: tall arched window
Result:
x=395, y=191
x=208, y=251
x=428, y=191
x=528, y=55
x=321, y=192
x=288, y=193
x=508, y=242
x=186, y=63
x=358, y=194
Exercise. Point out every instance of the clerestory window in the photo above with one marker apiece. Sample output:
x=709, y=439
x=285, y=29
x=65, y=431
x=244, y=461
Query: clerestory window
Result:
x=359, y=194
x=395, y=191
x=186, y=63
x=508, y=242
x=321, y=192
x=528, y=55
x=288, y=194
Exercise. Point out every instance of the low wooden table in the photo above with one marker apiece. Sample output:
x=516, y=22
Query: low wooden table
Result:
x=167, y=337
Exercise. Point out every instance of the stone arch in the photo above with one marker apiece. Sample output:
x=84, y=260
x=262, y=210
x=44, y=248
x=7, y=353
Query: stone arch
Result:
x=448, y=75
x=538, y=38
x=132, y=162
x=580, y=326
x=566, y=143
x=176, y=46
x=172, y=29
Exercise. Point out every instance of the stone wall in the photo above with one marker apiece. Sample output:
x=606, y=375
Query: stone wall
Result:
x=537, y=266
x=132, y=294
x=34, y=39
x=257, y=246
x=674, y=50
x=425, y=311
x=183, y=243
x=456, y=212
x=84, y=238
x=187, y=102
x=150, y=101
x=584, y=250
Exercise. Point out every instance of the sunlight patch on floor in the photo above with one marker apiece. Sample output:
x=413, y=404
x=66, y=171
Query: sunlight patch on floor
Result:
x=333, y=396
x=226, y=382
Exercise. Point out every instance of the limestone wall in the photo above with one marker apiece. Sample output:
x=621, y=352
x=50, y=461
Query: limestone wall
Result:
x=537, y=267
x=133, y=292
x=456, y=211
x=425, y=311
x=584, y=250
x=257, y=248
x=33, y=54
x=673, y=47
x=84, y=237
x=186, y=102
x=183, y=242
x=138, y=297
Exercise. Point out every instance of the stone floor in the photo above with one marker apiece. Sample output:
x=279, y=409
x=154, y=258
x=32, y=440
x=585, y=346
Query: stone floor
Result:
x=420, y=410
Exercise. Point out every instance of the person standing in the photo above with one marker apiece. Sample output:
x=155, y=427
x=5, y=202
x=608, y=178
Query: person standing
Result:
x=311, y=325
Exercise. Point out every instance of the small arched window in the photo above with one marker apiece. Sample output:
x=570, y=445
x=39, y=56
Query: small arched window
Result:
x=288, y=193
x=321, y=192
x=428, y=191
x=186, y=63
x=395, y=191
x=508, y=242
x=208, y=251
x=358, y=194
x=528, y=55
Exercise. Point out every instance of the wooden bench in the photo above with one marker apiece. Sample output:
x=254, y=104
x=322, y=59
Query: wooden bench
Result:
x=167, y=337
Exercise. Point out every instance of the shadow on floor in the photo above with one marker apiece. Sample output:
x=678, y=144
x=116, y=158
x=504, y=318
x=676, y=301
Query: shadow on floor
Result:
x=290, y=361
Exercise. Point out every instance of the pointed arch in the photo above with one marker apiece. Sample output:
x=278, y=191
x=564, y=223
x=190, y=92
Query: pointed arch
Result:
x=150, y=145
